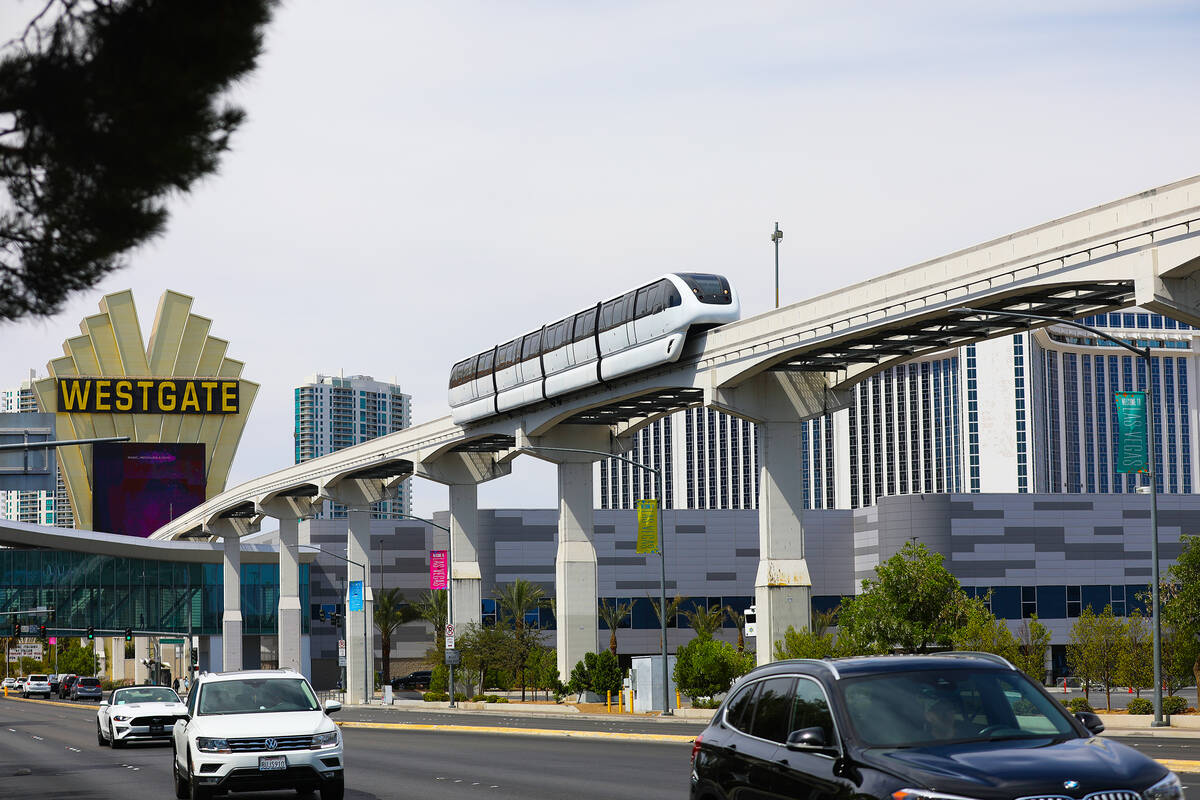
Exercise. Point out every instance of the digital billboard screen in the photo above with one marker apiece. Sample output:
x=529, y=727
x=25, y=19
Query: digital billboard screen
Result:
x=139, y=487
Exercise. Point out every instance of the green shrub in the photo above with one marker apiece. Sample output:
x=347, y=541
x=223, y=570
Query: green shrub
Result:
x=1076, y=704
x=1174, y=705
x=499, y=700
x=706, y=702
x=435, y=697
x=439, y=679
x=707, y=667
x=1140, y=705
x=459, y=697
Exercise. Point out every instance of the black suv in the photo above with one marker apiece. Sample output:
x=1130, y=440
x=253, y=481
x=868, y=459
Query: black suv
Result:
x=413, y=680
x=952, y=726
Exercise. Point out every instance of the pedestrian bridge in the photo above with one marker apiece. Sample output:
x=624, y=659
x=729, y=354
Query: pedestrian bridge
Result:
x=775, y=369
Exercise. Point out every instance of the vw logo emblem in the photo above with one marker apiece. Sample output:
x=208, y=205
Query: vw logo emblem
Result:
x=272, y=744
x=1070, y=784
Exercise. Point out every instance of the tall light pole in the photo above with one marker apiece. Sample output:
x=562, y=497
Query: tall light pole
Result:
x=368, y=658
x=776, y=237
x=449, y=587
x=1145, y=355
x=662, y=596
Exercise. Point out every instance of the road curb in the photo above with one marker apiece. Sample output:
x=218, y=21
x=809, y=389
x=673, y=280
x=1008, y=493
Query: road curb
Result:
x=48, y=702
x=543, y=732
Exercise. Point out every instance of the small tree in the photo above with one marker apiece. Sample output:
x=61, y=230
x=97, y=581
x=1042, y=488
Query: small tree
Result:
x=606, y=673
x=390, y=613
x=613, y=614
x=912, y=605
x=1033, y=641
x=705, y=622
x=803, y=644
x=1135, y=665
x=483, y=649
x=1094, y=649
x=1181, y=602
x=515, y=600
x=432, y=608
x=707, y=667
x=983, y=633
x=739, y=621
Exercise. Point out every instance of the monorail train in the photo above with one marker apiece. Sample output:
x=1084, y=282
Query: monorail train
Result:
x=639, y=329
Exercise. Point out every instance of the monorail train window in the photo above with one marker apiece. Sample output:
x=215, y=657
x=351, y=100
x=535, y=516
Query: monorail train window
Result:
x=607, y=312
x=711, y=289
x=644, y=302
x=506, y=354
x=462, y=372
x=585, y=325
x=485, y=364
x=673, y=298
x=558, y=334
x=532, y=346
x=653, y=299
x=625, y=309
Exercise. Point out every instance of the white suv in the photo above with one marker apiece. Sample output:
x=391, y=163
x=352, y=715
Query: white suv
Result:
x=37, y=684
x=253, y=731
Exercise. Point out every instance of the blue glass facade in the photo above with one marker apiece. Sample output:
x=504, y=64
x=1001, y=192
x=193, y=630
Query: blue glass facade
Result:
x=112, y=593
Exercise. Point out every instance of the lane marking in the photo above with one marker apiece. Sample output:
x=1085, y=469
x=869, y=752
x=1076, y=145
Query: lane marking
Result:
x=1180, y=765
x=411, y=726
x=38, y=738
x=47, y=702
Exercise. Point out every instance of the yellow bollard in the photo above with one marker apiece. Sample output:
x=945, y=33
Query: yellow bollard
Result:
x=621, y=702
x=608, y=702
x=678, y=700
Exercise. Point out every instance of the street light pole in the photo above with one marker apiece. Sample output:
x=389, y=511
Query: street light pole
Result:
x=1145, y=355
x=662, y=596
x=776, y=237
x=449, y=588
x=367, y=657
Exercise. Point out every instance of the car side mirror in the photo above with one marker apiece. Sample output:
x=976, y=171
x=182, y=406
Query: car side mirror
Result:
x=1090, y=721
x=103, y=703
x=332, y=706
x=811, y=739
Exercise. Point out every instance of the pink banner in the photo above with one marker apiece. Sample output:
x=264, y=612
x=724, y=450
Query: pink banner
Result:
x=437, y=569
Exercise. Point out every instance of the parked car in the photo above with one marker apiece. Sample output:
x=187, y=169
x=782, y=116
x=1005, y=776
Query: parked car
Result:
x=37, y=684
x=20, y=687
x=138, y=714
x=418, y=680
x=911, y=727
x=64, y=686
x=253, y=731
x=55, y=680
x=10, y=683
x=86, y=689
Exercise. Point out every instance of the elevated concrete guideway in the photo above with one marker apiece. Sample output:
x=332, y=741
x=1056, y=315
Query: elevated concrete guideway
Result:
x=775, y=369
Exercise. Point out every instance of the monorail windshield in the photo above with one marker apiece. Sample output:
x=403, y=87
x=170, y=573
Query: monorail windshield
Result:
x=711, y=289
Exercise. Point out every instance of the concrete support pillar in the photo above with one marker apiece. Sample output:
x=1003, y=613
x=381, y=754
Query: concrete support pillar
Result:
x=575, y=567
x=467, y=582
x=782, y=588
x=360, y=627
x=289, y=594
x=231, y=618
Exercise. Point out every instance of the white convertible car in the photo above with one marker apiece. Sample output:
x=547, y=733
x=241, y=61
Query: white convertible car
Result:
x=138, y=714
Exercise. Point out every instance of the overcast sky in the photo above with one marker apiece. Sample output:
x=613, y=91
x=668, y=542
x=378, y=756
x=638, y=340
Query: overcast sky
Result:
x=417, y=181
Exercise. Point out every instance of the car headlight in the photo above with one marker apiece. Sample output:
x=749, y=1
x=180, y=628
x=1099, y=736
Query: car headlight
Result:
x=1169, y=788
x=329, y=739
x=121, y=717
x=206, y=745
x=925, y=794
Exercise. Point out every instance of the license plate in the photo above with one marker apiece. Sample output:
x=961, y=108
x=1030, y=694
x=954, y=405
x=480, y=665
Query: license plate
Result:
x=157, y=729
x=269, y=763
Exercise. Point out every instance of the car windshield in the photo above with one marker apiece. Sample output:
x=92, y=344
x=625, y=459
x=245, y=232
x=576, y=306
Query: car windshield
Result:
x=89, y=681
x=257, y=696
x=908, y=709
x=145, y=694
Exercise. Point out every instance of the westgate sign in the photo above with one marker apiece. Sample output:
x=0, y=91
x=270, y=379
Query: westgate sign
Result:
x=148, y=395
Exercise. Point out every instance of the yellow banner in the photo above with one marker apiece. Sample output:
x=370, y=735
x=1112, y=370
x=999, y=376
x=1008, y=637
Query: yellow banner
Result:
x=647, y=535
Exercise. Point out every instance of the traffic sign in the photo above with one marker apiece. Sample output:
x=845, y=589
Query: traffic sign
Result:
x=170, y=641
x=453, y=658
x=449, y=642
x=342, y=659
x=341, y=644
x=449, y=628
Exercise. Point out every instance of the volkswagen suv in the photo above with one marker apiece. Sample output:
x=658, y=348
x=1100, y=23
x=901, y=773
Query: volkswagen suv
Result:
x=954, y=726
x=254, y=731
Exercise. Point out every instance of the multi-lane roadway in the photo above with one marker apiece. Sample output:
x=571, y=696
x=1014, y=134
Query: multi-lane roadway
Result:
x=48, y=751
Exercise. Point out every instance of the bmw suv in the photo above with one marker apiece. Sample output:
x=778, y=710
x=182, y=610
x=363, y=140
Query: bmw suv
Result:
x=955, y=726
x=254, y=731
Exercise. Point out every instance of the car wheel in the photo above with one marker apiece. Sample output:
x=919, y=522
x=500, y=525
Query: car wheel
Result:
x=116, y=743
x=100, y=740
x=182, y=790
x=334, y=789
x=196, y=791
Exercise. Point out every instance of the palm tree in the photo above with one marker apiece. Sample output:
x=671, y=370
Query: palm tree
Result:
x=705, y=622
x=672, y=608
x=739, y=621
x=613, y=615
x=390, y=613
x=432, y=608
x=517, y=599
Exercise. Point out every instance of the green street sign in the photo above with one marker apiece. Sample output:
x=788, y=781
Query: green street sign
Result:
x=1133, y=451
x=170, y=641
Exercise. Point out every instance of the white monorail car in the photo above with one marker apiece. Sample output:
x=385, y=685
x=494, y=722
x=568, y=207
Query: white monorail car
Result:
x=637, y=330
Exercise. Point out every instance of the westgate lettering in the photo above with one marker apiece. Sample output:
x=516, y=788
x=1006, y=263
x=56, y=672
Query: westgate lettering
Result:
x=148, y=396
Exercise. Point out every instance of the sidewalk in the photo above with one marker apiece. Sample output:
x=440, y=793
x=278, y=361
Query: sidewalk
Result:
x=538, y=710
